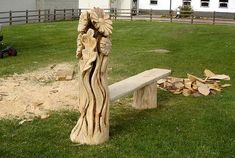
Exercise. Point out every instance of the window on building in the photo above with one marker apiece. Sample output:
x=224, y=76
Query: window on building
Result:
x=205, y=3
x=186, y=2
x=223, y=3
x=154, y=2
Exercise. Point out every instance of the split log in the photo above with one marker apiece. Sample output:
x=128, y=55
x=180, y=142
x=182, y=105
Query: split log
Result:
x=194, y=85
x=220, y=77
x=208, y=73
x=186, y=92
x=226, y=85
x=194, y=78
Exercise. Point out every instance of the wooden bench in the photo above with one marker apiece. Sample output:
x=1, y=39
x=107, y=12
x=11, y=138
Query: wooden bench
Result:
x=143, y=85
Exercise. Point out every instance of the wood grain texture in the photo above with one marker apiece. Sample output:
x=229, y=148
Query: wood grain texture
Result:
x=146, y=97
x=131, y=84
x=93, y=48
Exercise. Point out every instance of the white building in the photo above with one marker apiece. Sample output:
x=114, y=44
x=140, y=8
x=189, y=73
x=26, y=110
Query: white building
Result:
x=87, y=4
x=105, y=4
x=197, y=5
x=122, y=4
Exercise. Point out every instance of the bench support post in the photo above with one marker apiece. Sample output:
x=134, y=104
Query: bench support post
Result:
x=146, y=97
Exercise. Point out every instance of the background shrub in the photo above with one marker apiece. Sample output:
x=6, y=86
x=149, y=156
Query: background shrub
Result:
x=185, y=10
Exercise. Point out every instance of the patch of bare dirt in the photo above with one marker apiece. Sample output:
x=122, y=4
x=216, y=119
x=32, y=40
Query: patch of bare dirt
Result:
x=35, y=94
x=159, y=51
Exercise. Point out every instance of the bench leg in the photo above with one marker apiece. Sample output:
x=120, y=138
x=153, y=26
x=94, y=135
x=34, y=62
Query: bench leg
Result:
x=146, y=98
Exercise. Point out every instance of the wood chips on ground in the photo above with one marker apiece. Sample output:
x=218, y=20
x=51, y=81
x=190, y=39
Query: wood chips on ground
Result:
x=35, y=94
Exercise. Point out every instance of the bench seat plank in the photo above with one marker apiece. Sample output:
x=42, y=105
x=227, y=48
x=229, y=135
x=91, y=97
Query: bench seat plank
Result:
x=129, y=85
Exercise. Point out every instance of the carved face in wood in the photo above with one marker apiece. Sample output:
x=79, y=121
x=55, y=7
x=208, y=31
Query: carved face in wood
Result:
x=105, y=46
x=88, y=53
x=88, y=40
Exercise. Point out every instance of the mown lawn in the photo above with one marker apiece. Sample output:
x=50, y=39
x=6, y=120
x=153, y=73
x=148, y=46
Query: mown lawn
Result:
x=180, y=127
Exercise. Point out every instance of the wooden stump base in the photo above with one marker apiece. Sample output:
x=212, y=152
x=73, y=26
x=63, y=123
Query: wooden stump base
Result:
x=146, y=97
x=81, y=137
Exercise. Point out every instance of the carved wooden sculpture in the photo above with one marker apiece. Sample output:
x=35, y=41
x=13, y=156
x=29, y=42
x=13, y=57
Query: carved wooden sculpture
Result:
x=93, y=48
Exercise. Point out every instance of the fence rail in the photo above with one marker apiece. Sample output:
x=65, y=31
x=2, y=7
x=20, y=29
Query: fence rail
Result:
x=32, y=16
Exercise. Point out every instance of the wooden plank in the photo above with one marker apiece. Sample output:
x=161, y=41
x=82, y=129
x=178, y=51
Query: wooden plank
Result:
x=136, y=82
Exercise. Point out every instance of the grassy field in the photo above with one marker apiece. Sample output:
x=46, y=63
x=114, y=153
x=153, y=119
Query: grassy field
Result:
x=180, y=127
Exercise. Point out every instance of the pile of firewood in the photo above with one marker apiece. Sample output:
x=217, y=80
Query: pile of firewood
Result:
x=194, y=85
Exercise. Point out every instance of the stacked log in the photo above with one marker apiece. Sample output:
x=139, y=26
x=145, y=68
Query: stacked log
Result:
x=193, y=85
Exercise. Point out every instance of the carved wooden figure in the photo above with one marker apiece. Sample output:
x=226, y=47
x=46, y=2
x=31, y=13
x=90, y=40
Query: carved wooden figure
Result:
x=93, y=48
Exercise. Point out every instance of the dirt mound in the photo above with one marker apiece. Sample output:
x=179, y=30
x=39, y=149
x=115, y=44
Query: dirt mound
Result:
x=37, y=93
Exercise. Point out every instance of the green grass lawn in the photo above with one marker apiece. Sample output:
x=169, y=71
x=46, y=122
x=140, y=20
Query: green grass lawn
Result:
x=180, y=127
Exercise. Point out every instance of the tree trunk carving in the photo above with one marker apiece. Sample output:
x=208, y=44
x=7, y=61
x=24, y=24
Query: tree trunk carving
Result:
x=93, y=48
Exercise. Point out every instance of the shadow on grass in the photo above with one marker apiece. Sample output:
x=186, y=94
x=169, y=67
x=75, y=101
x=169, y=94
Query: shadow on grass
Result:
x=124, y=118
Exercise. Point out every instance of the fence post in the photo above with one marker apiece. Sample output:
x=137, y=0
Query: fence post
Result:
x=72, y=13
x=64, y=14
x=27, y=17
x=39, y=15
x=151, y=15
x=115, y=13
x=214, y=17
x=131, y=14
x=54, y=14
x=192, y=16
x=48, y=15
x=171, y=15
x=110, y=13
x=10, y=17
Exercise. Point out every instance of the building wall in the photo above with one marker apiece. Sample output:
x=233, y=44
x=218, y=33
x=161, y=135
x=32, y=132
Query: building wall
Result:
x=88, y=4
x=176, y=4
x=15, y=5
x=213, y=6
x=124, y=4
x=57, y=4
x=162, y=5
x=19, y=5
x=196, y=4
